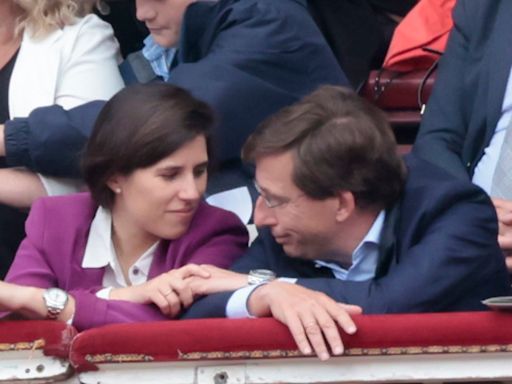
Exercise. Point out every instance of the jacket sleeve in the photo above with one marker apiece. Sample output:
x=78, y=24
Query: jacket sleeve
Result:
x=91, y=311
x=443, y=128
x=50, y=139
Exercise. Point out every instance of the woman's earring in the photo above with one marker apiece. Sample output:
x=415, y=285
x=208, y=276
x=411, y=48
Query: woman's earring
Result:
x=117, y=190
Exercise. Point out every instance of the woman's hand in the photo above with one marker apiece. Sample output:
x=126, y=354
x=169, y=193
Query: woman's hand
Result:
x=170, y=291
x=220, y=280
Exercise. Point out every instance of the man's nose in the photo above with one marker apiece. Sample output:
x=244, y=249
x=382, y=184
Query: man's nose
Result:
x=263, y=215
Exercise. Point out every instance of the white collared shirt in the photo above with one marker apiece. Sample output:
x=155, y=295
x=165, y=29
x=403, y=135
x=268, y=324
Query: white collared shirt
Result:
x=364, y=264
x=100, y=253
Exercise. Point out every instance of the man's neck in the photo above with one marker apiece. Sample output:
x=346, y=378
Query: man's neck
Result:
x=352, y=232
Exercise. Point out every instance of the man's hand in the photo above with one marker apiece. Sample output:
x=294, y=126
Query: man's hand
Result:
x=220, y=280
x=170, y=291
x=504, y=212
x=311, y=316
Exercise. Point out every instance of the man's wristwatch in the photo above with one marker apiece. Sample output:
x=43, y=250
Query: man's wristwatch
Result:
x=258, y=276
x=55, y=300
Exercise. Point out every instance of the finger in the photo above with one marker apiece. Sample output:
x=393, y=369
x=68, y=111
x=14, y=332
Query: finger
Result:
x=170, y=305
x=343, y=319
x=297, y=330
x=351, y=309
x=330, y=331
x=505, y=242
x=174, y=304
x=184, y=292
x=193, y=270
x=161, y=302
x=508, y=261
x=313, y=331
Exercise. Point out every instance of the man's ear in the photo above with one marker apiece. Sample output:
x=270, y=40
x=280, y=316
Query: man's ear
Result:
x=346, y=205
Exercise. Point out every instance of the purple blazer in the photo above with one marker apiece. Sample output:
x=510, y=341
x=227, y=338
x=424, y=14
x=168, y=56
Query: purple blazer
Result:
x=57, y=230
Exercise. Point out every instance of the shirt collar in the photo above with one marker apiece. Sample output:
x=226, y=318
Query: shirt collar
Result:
x=159, y=57
x=99, y=250
x=364, y=256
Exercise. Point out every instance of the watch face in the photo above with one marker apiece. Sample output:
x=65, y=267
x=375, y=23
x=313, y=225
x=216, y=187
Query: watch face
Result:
x=55, y=297
x=56, y=294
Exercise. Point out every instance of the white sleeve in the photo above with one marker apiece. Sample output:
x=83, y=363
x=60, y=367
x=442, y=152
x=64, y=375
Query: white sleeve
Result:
x=237, y=303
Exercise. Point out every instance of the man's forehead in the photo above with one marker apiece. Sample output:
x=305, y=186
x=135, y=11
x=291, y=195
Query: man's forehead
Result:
x=274, y=172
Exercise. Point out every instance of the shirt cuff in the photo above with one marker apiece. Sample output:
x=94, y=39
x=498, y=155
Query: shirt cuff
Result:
x=237, y=303
x=104, y=293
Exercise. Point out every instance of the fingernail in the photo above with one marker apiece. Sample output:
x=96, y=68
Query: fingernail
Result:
x=351, y=329
x=324, y=356
x=306, y=351
x=338, y=350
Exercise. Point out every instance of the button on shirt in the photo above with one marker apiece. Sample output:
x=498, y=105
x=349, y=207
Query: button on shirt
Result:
x=100, y=253
x=364, y=265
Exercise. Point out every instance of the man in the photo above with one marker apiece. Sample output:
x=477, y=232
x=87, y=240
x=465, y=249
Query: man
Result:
x=349, y=222
x=245, y=58
x=469, y=112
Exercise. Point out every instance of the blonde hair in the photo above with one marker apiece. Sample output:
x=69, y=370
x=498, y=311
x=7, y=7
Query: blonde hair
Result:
x=42, y=17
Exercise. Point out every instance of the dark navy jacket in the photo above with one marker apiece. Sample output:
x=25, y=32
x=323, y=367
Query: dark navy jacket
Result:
x=247, y=58
x=438, y=252
x=466, y=102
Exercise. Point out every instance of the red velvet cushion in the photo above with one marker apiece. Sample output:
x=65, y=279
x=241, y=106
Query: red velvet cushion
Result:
x=53, y=337
x=266, y=338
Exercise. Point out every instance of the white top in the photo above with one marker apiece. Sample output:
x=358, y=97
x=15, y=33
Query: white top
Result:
x=69, y=67
x=484, y=170
x=100, y=252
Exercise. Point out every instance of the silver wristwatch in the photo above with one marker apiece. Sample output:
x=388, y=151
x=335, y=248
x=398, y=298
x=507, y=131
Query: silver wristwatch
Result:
x=55, y=300
x=258, y=276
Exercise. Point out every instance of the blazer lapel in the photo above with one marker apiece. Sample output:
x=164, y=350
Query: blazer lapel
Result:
x=388, y=241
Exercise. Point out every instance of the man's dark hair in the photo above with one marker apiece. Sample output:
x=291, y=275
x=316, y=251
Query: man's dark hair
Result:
x=139, y=126
x=339, y=142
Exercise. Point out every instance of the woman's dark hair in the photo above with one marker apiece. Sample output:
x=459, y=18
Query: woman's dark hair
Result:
x=139, y=126
x=339, y=142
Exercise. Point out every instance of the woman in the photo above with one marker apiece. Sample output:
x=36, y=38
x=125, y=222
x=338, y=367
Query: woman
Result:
x=121, y=252
x=51, y=52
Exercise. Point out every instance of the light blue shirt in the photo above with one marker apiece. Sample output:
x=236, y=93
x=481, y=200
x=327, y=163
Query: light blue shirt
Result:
x=484, y=170
x=364, y=263
x=159, y=57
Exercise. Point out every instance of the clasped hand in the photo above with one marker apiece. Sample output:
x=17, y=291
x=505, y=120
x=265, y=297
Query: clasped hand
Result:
x=177, y=289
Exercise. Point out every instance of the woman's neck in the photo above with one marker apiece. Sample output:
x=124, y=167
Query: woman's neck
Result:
x=130, y=242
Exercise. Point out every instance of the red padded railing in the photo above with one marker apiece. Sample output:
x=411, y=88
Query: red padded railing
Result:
x=266, y=338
